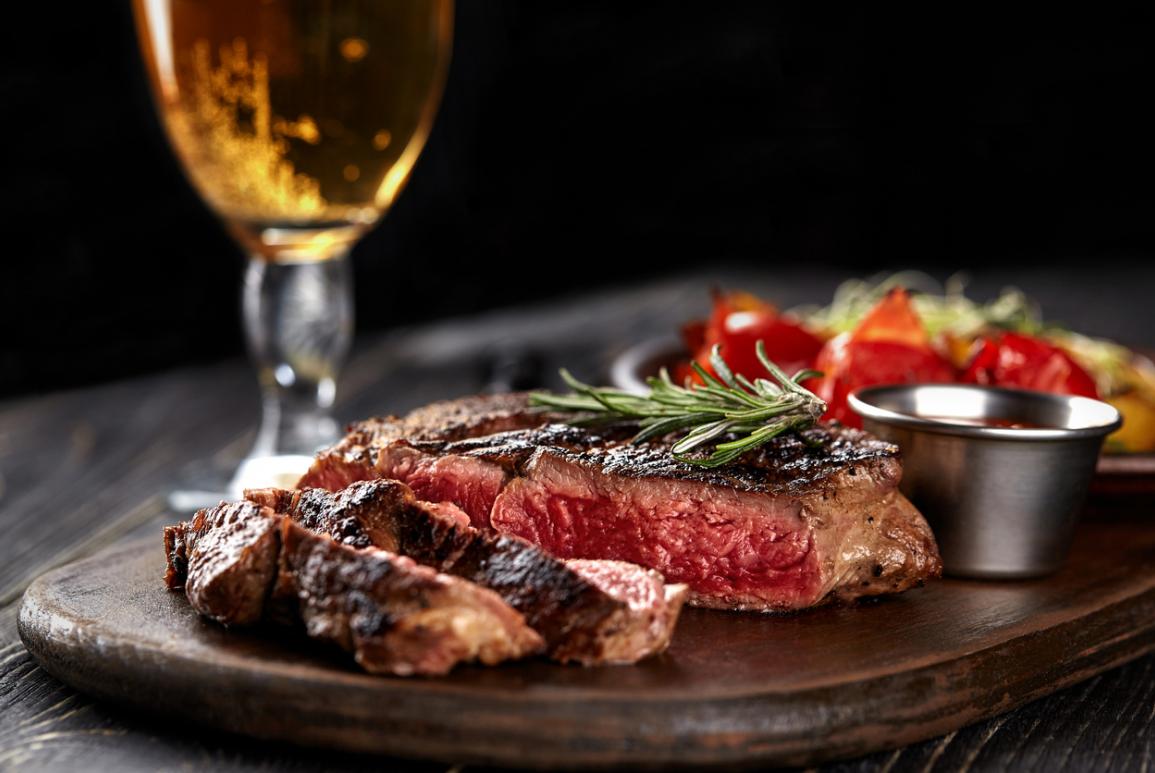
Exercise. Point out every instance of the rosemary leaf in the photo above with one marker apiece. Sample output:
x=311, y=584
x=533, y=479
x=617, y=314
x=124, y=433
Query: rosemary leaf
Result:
x=727, y=413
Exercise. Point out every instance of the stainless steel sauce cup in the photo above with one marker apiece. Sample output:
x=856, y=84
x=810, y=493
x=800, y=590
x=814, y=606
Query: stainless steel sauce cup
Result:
x=1002, y=500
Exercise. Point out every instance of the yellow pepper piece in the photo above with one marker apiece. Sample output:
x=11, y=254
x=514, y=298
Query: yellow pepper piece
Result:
x=1137, y=435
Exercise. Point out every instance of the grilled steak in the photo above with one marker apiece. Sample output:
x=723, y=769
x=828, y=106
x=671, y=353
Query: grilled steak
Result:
x=396, y=616
x=644, y=623
x=436, y=457
x=411, y=449
x=225, y=559
x=798, y=522
x=241, y=563
x=585, y=613
x=380, y=513
x=795, y=525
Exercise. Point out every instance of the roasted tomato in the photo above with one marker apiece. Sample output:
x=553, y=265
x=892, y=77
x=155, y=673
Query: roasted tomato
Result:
x=737, y=323
x=1025, y=362
x=889, y=346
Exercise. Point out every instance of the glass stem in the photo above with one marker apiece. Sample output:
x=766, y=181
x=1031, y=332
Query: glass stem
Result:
x=298, y=320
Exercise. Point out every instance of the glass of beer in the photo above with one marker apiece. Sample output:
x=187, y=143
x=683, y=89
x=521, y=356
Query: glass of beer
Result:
x=298, y=122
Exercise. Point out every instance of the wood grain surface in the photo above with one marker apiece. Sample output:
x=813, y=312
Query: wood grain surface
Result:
x=84, y=469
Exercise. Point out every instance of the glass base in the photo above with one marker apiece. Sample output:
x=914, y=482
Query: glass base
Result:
x=298, y=324
x=185, y=501
x=269, y=472
x=256, y=472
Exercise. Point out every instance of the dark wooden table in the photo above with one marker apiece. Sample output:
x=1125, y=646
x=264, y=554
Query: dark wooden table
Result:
x=82, y=470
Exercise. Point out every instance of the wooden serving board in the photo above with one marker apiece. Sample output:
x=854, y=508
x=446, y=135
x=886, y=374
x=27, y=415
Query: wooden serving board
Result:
x=733, y=690
x=1124, y=474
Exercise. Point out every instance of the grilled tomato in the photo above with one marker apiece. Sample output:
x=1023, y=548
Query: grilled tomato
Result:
x=889, y=346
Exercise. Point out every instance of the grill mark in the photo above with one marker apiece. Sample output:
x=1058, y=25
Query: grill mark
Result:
x=793, y=464
x=556, y=601
x=506, y=431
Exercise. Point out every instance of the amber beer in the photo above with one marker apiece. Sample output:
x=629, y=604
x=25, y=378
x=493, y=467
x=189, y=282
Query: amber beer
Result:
x=297, y=120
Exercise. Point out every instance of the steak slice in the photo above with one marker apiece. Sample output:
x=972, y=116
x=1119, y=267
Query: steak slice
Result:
x=558, y=602
x=380, y=513
x=225, y=558
x=396, y=616
x=801, y=520
x=643, y=624
x=417, y=450
x=354, y=457
x=619, y=615
x=435, y=476
x=242, y=563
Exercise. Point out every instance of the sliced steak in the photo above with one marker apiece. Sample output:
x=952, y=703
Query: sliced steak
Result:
x=176, y=555
x=469, y=472
x=621, y=617
x=380, y=513
x=225, y=558
x=801, y=520
x=644, y=623
x=557, y=601
x=242, y=563
x=396, y=616
x=471, y=483
x=413, y=450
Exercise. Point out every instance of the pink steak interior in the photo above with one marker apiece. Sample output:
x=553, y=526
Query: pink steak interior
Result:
x=730, y=544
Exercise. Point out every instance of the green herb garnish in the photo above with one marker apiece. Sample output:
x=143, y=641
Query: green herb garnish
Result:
x=942, y=309
x=728, y=413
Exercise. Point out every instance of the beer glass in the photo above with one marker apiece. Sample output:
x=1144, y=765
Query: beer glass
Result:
x=298, y=122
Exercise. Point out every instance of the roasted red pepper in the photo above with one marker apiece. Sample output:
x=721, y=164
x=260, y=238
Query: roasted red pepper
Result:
x=889, y=346
x=1025, y=362
x=737, y=323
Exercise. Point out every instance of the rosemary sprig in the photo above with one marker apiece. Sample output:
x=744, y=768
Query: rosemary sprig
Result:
x=729, y=412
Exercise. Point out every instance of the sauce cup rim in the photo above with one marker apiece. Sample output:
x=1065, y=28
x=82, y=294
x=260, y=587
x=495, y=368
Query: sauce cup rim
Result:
x=864, y=402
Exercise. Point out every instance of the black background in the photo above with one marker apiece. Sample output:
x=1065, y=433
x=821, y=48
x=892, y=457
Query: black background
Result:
x=583, y=144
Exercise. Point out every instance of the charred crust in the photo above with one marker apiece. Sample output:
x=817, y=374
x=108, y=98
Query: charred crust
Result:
x=793, y=464
x=789, y=464
x=177, y=558
x=507, y=431
x=556, y=601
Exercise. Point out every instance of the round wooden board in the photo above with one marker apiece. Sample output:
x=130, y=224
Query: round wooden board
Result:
x=734, y=690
